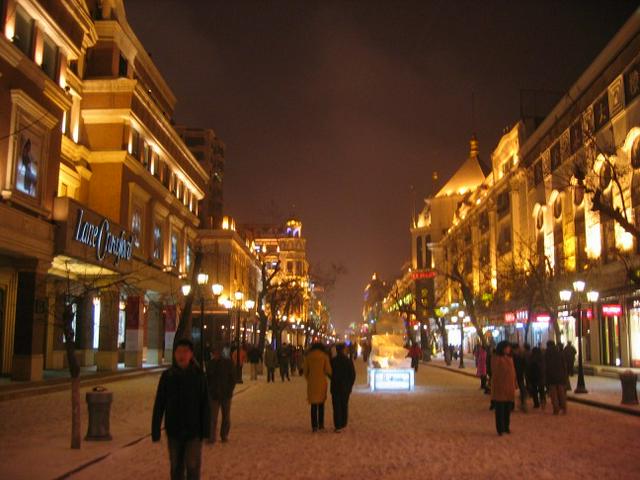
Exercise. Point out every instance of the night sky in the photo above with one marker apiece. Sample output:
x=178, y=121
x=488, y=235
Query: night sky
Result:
x=332, y=110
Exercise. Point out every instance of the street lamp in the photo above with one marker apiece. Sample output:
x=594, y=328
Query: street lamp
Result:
x=461, y=316
x=217, y=289
x=202, y=279
x=186, y=289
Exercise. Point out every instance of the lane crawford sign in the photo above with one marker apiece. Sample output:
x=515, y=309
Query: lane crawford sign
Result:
x=101, y=237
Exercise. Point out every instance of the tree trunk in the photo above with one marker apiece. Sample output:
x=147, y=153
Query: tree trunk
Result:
x=264, y=324
x=74, y=371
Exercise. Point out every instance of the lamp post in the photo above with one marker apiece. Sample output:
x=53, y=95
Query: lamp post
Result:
x=238, y=296
x=202, y=278
x=461, y=318
x=592, y=297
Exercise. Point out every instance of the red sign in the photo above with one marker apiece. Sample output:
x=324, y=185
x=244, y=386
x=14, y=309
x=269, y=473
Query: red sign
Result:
x=542, y=318
x=509, y=317
x=423, y=274
x=611, y=310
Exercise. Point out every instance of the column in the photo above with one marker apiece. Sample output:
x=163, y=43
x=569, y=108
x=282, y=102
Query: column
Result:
x=134, y=332
x=31, y=318
x=107, y=354
x=84, y=331
x=155, y=333
x=170, y=324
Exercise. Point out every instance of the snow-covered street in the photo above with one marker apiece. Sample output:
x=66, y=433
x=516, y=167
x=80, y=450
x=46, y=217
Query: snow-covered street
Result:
x=443, y=429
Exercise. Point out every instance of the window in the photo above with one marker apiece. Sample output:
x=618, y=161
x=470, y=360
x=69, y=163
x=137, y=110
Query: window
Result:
x=484, y=252
x=575, y=134
x=537, y=173
x=27, y=165
x=146, y=155
x=123, y=66
x=135, y=143
x=419, y=252
x=483, y=222
x=50, y=58
x=503, y=204
x=188, y=257
x=136, y=227
x=23, y=36
x=557, y=208
x=290, y=267
x=504, y=239
x=157, y=242
x=175, y=252
x=635, y=153
x=555, y=157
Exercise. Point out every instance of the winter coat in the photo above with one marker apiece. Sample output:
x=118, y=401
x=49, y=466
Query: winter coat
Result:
x=520, y=365
x=270, y=358
x=503, y=379
x=283, y=357
x=316, y=370
x=569, y=354
x=481, y=362
x=555, y=367
x=254, y=355
x=221, y=378
x=343, y=375
x=182, y=399
x=535, y=370
x=300, y=360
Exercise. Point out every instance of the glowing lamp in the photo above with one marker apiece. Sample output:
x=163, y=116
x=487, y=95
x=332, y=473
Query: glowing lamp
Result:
x=239, y=295
x=565, y=295
x=186, y=289
x=578, y=286
x=592, y=296
x=203, y=278
x=217, y=289
x=249, y=304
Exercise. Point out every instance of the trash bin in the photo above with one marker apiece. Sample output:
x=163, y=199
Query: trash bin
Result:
x=99, y=405
x=629, y=392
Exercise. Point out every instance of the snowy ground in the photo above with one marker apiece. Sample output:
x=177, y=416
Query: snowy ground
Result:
x=443, y=429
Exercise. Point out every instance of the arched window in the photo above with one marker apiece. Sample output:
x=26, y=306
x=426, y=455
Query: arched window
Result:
x=557, y=207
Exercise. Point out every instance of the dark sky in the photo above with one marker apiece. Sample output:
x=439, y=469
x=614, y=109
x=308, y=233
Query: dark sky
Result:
x=331, y=110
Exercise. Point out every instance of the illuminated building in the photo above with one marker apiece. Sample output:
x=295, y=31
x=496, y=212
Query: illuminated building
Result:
x=533, y=205
x=107, y=168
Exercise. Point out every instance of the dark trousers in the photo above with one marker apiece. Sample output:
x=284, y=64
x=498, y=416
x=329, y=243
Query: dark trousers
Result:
x=284, y=371
x=523, y=393
x=317, y=416
x=271, y=374
x=414, y=363
x=185, y=456
x=537, y=395
x=503, y=415
x=340, y=403
x=225, y=424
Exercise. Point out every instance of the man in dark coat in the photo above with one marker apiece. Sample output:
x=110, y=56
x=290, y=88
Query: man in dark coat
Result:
x=556, y=377
x=342, y=380
x=183, y=401
x=520, y=366
x=255, y=357
x=283, y=360
x=569, y=354
x=221, y=380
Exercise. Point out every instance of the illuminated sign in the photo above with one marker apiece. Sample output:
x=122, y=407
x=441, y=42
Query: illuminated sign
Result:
x=509, y=317
x=611, y=310
x=542, y=318
x=391, y=379
x=423, y=274
x=103, y=239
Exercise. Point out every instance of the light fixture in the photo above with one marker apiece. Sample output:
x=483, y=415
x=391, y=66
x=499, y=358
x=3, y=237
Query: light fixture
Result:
x=203, y=278
x=565, y=295
x=578, y=286
x=249, y=304
x=217, y=289
x=239, y=295
x=461, y=314
x=592, y=296
x=228, y=304
x=122, y=305
x=186, y=289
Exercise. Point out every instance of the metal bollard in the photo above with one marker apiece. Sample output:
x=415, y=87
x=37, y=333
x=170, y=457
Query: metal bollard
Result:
x=628, y=379
x=99, y=405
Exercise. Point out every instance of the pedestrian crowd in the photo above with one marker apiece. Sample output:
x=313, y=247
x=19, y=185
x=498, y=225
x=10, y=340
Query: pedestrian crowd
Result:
x=532, y=372
x=191, y=398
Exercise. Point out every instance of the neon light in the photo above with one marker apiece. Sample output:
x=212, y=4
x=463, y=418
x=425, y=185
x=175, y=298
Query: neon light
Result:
x=611, y=310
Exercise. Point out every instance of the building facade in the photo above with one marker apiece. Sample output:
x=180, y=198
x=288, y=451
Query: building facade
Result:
x=548, y=210
x=103, y=186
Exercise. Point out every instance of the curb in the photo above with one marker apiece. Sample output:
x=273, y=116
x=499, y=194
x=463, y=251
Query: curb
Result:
x=87, y=381
x=570, y=398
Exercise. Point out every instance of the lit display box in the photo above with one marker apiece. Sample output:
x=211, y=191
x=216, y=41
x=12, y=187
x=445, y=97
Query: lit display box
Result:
x=391, y=379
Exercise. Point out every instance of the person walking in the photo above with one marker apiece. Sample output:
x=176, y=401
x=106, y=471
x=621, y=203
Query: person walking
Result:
x=221, y=381
x=535, y=378
x=300, y=361
x=481, y=367
x=343, y=377
x=182, y=400
x=569, y=353
x=503, y=386
x=316, y=370
x=415, y=353
x=254, y=361
x=556, y=377
x=271, y=362
x=520, y=365
x=239, y=364
x=283, y=362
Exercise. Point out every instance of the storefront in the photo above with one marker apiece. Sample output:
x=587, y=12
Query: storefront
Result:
x=611, y=334
x=633, y=311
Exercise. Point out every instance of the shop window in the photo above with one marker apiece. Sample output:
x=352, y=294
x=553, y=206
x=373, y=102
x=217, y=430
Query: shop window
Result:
x=23, y=35
x=50, y=58
x=175, y=252
x=157, y=242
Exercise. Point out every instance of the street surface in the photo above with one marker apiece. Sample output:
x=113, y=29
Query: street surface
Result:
x=442, y=430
